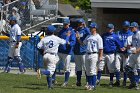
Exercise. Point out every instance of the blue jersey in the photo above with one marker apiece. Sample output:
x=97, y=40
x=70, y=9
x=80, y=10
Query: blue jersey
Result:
x=81, y=49
x=123, y=35
x=111, y=43
x=67, y=48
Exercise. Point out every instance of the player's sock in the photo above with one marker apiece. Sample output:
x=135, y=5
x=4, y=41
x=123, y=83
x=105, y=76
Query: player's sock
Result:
x=111, y=77
x=94, y=80
x=124, y=76
x=67, y=74
x=137, y=79
x=20, y=64
x=21, y=67
x=79, y=73
x=117, y=76
x=54, y=76
x=86, y=77
x=89, y=80
x=49, y=81
x=99, y=75
x=45, y=72
x=8, y=65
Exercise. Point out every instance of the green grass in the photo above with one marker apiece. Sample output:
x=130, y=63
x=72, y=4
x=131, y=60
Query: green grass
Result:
x=11, y=83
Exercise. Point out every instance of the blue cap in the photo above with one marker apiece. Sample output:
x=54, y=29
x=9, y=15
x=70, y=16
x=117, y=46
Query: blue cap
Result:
x=51, y=28
x=12, y=18
x=81, y=20
x=93, y=25
x=126, y=23
x=66, y=21
x=134, y=24
x=111, y=26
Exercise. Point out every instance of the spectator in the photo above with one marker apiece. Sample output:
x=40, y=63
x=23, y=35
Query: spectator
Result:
x=2, y=24
x=15, y=14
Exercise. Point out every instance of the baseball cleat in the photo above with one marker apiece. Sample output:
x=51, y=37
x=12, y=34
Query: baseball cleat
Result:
x=38, y=74
x=78, y=84
x=131, y=86
x=64, y=84
x=137, y=87
x=117, y=83
x=111, y=84
x=91, y=88
x=98, y=82
x=124, y=84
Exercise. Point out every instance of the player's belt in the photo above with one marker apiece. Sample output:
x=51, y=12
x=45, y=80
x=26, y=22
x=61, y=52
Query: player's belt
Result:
x=50, y=53
x=92, y=53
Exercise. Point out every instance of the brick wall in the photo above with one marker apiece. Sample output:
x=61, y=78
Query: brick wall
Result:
x=104, y=18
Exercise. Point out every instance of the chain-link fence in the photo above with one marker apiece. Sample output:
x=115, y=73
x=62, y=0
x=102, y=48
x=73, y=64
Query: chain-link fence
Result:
x=28, y=53
x=28, y=12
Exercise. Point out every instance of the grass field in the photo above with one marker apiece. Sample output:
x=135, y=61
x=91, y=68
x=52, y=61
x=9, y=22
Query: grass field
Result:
x=12, y=83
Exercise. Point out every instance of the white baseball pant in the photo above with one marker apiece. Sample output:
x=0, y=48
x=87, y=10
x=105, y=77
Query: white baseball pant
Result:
x=66, y=59
x=91, y=64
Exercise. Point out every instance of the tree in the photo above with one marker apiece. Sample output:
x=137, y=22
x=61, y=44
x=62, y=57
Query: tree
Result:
x=83, y=4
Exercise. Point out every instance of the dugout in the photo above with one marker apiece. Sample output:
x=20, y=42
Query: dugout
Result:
x=115, y=11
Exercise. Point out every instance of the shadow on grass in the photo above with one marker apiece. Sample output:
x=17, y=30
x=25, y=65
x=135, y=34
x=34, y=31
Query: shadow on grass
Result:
x=28, y=87
x=33, y=84
x=108, y=87
x=57, y=86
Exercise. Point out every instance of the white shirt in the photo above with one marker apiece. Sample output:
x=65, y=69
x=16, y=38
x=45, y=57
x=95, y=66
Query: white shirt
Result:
x=94, y=43
x=14, y=32
x=129, y=41
x=2, y=25
x=136, y=40
x=50, y=44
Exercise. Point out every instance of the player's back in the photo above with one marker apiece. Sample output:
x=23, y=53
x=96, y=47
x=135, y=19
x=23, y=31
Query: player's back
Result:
x=51, y=43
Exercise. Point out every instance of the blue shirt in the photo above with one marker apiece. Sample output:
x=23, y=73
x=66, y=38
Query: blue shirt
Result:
x=81, y=49
x=123, y=35
x=111, y=43
x=67, y=48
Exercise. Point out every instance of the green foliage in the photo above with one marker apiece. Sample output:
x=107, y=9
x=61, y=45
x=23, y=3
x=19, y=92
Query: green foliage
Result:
x=83, y=4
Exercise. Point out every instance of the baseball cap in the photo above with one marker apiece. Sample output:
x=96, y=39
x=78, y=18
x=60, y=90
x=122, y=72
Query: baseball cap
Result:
x=126, y=23
x=93, y=25
x=81, y=20
x=110, y=26
x=134, y=24
x=14, y=8
x=12, y=18
x=66, y=21
x=51, y=28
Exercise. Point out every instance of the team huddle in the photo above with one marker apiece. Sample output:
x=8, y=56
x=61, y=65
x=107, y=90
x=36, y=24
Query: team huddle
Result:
x=119, y=50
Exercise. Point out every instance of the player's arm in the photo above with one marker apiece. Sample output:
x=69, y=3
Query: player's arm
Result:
x=100, y=45
x=72, y=40
x=40, y=47
x=18, y=36
x=78, y=38
x=119, y=44
x=5, y=33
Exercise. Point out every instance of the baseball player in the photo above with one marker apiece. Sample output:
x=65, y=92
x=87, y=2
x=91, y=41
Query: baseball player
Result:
x=93, y=52
x=80, y=50
x=14, y=46
x=121, y=56
x=110, y=44
x=134, y=60
x=48, y=46
x=65, y=51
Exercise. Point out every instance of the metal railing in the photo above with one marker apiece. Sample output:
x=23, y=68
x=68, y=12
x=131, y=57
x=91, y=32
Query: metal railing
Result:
x=29, y=13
